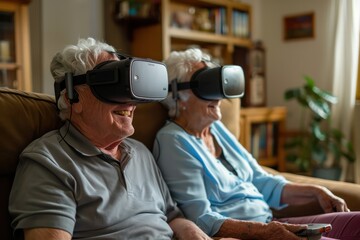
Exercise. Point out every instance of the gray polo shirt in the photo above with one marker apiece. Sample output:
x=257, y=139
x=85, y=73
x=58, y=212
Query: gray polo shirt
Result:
x=67, y=183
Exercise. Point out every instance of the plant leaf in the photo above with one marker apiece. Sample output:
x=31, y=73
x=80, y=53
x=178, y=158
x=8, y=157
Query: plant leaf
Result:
x=318, y=154
x=309, y=81
x=292, y=93
x=325, y=95
x=320, y=108
x=316, y=130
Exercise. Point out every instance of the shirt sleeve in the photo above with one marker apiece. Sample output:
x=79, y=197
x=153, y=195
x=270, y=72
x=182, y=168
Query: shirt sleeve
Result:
x=171, y=209
x=37, y=186
x=184, y=175
x=270, y=186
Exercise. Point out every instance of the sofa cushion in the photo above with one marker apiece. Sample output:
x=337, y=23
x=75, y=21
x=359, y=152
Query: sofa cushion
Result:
x=230, y=110
x=24, y=117
x=150, y=117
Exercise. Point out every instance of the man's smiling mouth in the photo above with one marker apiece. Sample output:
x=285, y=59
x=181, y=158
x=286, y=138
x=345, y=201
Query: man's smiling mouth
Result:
x=125, y=113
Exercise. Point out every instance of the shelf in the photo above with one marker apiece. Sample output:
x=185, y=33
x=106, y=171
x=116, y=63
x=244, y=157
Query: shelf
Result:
x=199, y=36
x=183, y=23
x=15, y=64
x=217, y=3
x=136, y=21
x=8, y=66
x=262, y=134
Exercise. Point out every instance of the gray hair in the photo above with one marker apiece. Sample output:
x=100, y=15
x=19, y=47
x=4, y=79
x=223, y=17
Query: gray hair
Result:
x=76, y=59
x=179, y=64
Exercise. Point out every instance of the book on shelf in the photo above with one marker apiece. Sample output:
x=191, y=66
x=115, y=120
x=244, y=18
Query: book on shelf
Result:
x=270, y=139
x=240, y=20
x=263, y=140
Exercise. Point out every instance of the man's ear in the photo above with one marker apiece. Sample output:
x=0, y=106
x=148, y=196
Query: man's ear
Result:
x=71, y=93
x=75, y=106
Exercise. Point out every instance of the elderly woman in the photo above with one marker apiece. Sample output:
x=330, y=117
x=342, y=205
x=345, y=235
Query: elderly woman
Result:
x=217, y=183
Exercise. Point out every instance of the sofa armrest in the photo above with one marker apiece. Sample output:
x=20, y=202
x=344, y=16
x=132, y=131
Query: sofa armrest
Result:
x=350, y=192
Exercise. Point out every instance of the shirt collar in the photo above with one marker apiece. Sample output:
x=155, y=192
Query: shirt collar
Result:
x=74, y=138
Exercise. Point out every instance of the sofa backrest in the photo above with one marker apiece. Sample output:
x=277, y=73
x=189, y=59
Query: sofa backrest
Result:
x=23, y=118
x=149, y=118
x=27, y=116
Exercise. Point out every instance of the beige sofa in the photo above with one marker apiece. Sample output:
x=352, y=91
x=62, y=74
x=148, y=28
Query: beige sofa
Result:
x=26, y=116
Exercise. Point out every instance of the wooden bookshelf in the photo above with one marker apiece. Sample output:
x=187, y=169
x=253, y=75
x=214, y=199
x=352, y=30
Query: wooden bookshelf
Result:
x=15, y=67
x=216, y=26
x=262, y=133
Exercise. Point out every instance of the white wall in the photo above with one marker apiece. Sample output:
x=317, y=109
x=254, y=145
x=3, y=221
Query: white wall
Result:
x=64, y=22
x=288, y=61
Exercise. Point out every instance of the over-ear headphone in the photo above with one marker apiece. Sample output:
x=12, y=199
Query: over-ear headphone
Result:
x=73, y=96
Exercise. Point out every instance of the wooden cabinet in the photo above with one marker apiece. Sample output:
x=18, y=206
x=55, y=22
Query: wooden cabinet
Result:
x=217, y=26
x=255, y=75
x=15, y=67
x=262, y=133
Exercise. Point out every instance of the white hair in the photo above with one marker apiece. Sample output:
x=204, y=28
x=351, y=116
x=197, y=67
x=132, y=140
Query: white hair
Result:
x=76, y=59
x=179, y=64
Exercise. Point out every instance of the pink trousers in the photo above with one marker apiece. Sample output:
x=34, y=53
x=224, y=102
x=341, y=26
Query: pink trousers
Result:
x=345, y=225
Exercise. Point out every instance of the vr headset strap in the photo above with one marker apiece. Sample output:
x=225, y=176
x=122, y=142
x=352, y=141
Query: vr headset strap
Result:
x=187, y=85
x=180, y=86
x=59, y=86
x=79, y=79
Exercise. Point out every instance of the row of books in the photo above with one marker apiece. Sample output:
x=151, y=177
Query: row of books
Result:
x=221, y=26
x=240, y=21
x=213, y=20
x=264, y=140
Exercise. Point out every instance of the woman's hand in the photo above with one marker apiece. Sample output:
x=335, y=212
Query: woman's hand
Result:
x=276, y=230
x=247, y=230
x=297, y=193
x=329, y=202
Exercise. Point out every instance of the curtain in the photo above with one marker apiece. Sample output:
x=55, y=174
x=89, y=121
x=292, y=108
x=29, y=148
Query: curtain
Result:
x=345, y=65
x=357, y=143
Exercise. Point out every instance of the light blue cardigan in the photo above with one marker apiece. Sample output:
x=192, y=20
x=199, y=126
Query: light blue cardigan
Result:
x=206, y=191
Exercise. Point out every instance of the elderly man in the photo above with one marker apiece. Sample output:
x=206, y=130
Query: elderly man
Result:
x=88, y=180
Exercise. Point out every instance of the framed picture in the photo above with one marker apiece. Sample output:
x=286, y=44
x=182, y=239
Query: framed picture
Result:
x=299, y=26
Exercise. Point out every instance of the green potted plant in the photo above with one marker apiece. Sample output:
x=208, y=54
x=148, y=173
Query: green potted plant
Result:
x=318, y=143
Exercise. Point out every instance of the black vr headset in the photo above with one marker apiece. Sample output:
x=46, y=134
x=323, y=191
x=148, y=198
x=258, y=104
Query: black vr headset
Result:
x=214, y=83
x=127, y=80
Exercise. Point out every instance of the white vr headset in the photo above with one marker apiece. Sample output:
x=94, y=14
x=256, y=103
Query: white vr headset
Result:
x=216, y=83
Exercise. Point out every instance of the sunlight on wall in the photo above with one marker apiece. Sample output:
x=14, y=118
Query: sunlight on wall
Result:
x=358, y=81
